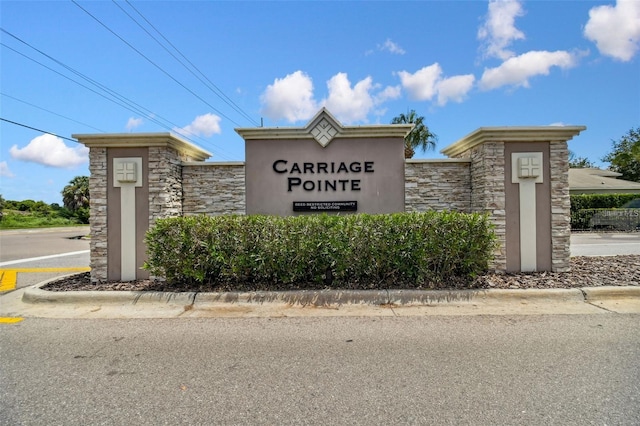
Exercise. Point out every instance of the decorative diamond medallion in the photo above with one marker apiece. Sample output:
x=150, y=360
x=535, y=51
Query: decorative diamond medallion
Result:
x=324, y=132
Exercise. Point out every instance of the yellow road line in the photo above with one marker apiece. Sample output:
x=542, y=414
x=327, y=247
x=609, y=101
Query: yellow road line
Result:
x=8, y=280
x=9, y=277
x=10, y=320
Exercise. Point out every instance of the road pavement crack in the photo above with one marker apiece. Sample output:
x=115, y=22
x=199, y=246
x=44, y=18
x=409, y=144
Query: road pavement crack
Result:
x=191, y=306
x=602, y=307
x=584, y=295
x=389, y=303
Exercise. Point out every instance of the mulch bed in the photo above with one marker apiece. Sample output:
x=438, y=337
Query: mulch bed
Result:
x=585, y=272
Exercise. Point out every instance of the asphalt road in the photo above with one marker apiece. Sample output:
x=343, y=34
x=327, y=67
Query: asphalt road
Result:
x=476, y=370
x=605, y=244
x=32, y=243
x=481, y=370
x=34, y=249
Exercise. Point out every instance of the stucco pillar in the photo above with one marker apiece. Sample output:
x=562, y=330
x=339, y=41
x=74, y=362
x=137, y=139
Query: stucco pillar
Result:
x=135, y=179
x=519, y=176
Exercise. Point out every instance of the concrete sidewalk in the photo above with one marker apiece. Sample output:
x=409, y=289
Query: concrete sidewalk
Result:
x=35, y=302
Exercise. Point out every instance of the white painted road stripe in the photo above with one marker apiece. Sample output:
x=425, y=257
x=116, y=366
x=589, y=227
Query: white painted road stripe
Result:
x=34, y=259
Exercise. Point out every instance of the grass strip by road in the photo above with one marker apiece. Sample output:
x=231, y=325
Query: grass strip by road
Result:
x=9, y=277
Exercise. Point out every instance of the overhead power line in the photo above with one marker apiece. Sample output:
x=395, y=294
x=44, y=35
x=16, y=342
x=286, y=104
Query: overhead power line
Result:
x=120, y=100
x=192, y=69
x=50, y=112
x=38, y=130
x=110, y=95
x=155, y=65
x=123, y=102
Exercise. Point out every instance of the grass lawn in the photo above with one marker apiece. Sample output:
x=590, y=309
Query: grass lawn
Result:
x=14, y=219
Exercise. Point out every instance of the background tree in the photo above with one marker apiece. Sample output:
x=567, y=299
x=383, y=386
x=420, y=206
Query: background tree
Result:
x=420, y=137
x=576, y=162
x=75, y=195
x=625, y=156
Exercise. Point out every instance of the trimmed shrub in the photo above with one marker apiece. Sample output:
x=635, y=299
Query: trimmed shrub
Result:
x=361, y=251
x=600, y=201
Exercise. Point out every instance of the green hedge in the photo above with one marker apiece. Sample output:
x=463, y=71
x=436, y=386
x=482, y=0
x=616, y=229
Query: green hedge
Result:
x=600, y=201
x=584, y=206
x=404, y=250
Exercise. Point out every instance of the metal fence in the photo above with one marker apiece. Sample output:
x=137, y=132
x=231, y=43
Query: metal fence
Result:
x=605, y=219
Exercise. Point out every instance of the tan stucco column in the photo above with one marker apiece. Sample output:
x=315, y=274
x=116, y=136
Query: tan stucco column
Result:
x=135, y=179
x=519, y=176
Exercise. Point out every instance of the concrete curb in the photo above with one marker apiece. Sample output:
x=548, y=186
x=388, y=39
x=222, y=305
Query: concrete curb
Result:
x=390, y=297
x=326, y=298
x=35, y=295
x=594, y=294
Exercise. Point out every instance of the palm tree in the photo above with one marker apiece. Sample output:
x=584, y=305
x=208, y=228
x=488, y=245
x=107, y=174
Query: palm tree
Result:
x=76, y=194
x=419, y=137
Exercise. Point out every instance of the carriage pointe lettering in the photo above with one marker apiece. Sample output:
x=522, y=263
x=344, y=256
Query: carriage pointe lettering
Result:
x=317, y=176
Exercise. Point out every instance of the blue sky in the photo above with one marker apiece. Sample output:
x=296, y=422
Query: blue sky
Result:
x=91, y=67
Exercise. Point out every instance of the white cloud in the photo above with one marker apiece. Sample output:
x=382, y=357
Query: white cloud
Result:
x=51, y=151
x=292, y=98
x=498, y=30
x=615, y=29
x=427, y=83
x=203, y=125
x=351, y=105
x=289, y=98
x=132, y=123
x=391, y=47
x=421, y=85
x=389, y=92
x=454, y=88
x=518, y=70
x=4, y=170
x=346, y=103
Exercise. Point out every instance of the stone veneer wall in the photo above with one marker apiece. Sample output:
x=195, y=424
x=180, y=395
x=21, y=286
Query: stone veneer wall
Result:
x=219, y=188
x=213, y=188
x=469, y=184
x=437, y=185
x=98, y=213
x=165, y=183
x=487, y=192
x=165, y=197
x=560, y=207
x=473, y=180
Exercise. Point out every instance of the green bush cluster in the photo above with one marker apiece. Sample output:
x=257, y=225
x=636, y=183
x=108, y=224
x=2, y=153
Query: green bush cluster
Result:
x=17, y=220
x=580, y=220
x=360, y=251
x=38, y=214
x=600, y=201
x=584, y=206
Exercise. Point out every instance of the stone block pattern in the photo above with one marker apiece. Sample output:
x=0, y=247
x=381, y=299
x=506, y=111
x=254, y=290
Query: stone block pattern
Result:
x=487, y=193
x=213, y=189
x=431, y=185
x=165, y=183
x=98, y=213
x=560, y=207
